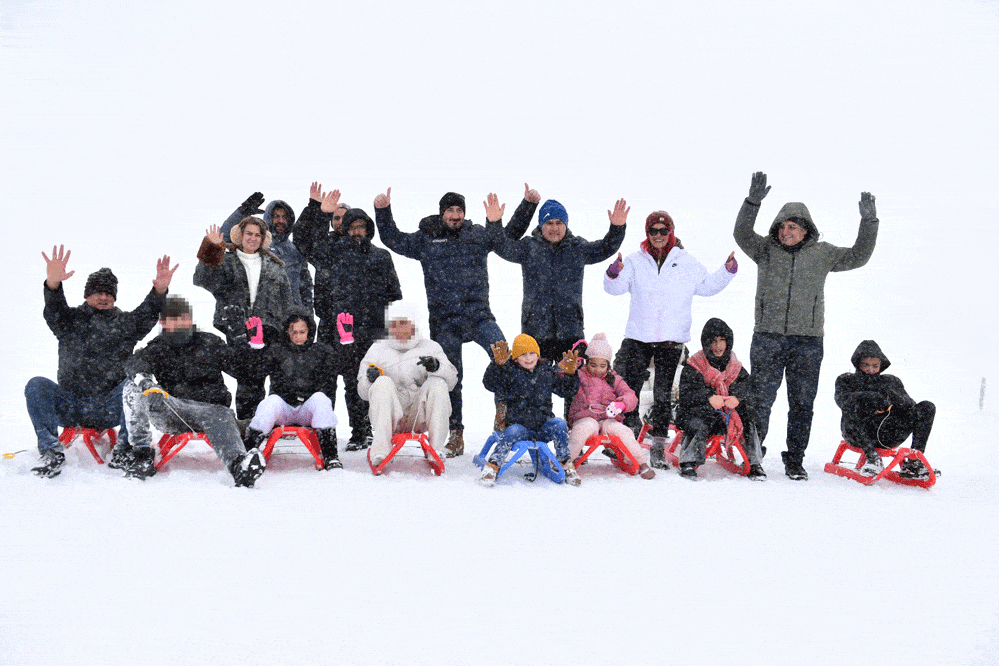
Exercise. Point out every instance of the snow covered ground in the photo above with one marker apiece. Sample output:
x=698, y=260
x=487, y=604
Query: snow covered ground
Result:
x=127, y=130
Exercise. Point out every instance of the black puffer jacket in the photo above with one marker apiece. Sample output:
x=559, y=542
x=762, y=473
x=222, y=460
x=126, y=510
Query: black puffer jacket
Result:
x=296, y=371
x=94, y=344
x=862, y=396
x=694, y=392
x=191, y=370
x=528, y=394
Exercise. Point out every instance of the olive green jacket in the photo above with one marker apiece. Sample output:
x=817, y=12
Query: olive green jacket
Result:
x=790, y=286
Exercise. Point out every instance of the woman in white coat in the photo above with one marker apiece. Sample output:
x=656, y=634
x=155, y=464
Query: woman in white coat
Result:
x=406, y=379
x=662, y=279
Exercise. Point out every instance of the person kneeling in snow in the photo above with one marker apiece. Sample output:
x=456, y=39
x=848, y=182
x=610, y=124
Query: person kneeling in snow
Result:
x=176, y=386
x=877, y=412
x=527, y=388
x=715, y=388
x=601, y=403
x=302, y=379
x=406, y=379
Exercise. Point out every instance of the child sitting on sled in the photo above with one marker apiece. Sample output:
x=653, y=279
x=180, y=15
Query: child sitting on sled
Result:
x=714, y=389
x=526, y=385
x=601, y=403
x=877, y=412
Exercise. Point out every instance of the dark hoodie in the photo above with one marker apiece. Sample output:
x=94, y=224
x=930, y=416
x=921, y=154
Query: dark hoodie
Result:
x=694, y=392
x=296, y=371
x=862, y=396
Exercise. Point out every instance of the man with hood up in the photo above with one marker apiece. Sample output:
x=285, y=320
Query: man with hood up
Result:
x=280, y=220
x=361, y=282
x=792, y=267
x=877, y=412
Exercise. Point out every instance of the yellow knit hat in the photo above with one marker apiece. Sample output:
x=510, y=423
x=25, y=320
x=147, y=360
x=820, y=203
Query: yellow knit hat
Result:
x=524, y=343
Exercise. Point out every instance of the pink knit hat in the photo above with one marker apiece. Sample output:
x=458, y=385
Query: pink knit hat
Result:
x=599, y=348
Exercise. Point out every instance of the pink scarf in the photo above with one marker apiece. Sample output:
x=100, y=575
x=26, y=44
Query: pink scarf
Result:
x=720, y=381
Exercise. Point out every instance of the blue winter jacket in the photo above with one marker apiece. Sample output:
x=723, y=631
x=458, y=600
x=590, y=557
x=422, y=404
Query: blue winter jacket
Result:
x=528, y=394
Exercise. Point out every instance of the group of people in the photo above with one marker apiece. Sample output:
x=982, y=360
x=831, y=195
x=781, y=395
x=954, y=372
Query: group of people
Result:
x=397, y=378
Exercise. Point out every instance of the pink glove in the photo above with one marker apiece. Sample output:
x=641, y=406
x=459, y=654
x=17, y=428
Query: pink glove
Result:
x=257, y=340
x=345, y=327
x=615, y=408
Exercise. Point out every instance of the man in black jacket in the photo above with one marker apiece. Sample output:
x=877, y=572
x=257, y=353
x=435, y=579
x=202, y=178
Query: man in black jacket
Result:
x=877, y=411
x=95, y=339
x=175, y=384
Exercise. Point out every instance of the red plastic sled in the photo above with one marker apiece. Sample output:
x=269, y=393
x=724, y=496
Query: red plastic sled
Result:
x=170, y=445
x=304, y=435
x=398, y=441
x=89, y=436
x=727, y=454
x=622, y=456
x=898, y=456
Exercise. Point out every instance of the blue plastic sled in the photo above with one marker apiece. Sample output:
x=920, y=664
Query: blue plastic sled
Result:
x=542, y=457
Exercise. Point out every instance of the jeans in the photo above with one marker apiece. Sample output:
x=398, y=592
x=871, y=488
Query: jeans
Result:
x=451, y=337
x=554, y=430
x=51, y=406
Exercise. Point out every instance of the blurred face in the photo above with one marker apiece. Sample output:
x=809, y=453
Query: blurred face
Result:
x=100, y=301
x=175, y=324
x=338, y=218
x=280, y=220
x=528, y=361
x=454, y=217
x=298, y=332
x=870, y=365
x=659, y=236
x=791, y=233
x=358, y=228
x=553, y=230
x=253, y=238
x=401, y=329
x=718, y=346
x=597, y=367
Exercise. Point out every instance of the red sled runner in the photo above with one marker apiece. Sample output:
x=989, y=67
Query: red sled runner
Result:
x=730, y=455
x=622, y=458
x=898, y=456
x=398, y=441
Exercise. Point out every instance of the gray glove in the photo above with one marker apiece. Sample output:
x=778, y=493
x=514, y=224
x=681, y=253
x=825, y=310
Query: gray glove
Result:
x=868, y=211
x=373, y=373
x=758, y=188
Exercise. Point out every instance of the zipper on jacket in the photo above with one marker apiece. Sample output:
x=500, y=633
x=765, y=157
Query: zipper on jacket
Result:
x=790, y=283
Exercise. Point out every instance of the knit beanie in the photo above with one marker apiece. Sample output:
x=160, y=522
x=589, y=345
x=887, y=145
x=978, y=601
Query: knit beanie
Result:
x=102, y=281
x=552, y=210
x=452, y=199
x=524, y=343
x=658, y=217
x=175, y=306
x=599, y=348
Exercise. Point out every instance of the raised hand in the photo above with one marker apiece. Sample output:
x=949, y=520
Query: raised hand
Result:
x=384, y=200
x=615, y=269
x=252, y=204
x=619, y=217
x=55, y=268
x=330, y=201
x=163, y=274
x=758, y=188
x=494, y=211
x=501, y=352
x=868, y=211
x=731, y=265
x=316, y=191
x=213, y=234
x=568, y=363
x=531, y=195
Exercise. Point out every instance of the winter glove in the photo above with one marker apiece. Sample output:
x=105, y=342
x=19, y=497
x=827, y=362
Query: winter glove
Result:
x=430, y=363
x=868, y=211
x=568, y=363
x=374, y=372
x=257, y=339
x=614, y=409
x=501, y=352
x=758, y=188
x=345, y=327
x=156, y=398
x=732, y=264
x=252, y=204
x=615, y=269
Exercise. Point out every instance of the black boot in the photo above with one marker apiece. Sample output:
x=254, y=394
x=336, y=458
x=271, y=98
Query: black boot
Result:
x=246, y=470
x=50, y=464
x=121, y=457
x=328, y=445
x=688, y=470
x=142, y=465
x=254, y=439
x=360, y=436
x=657, y=454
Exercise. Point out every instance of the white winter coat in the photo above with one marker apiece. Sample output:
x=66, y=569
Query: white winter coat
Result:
x=399, y=361
x=661, y=299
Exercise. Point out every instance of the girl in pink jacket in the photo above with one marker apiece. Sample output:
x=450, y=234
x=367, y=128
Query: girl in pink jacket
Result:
x=601, y=403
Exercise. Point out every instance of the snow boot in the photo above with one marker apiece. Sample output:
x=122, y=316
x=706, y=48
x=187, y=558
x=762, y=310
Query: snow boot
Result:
x=657, y=454
x=121, y=457
x=489, y=472
x=142, y=465
x=914, y=469
x=455, y=443
x=571, y=475
x=246, y=470
x=499, y=421
x=793, y=468
x=328, y=445
x=646, y=472
x=873, y=466
x=688, y=470
x=360, y=437
x=756, y=473
x=50, y=464
x=254, y=439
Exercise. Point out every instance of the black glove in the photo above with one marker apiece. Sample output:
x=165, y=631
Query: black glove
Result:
x=758, y=188
x=430, y=363
x=252, y=205
x=234, y=322
x=156, y=398
x=373, y=373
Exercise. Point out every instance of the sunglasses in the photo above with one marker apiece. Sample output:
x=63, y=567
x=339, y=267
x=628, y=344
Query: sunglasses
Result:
x=656, y=231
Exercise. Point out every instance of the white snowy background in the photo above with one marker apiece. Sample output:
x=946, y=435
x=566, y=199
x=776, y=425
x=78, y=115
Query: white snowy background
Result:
x=127, y=128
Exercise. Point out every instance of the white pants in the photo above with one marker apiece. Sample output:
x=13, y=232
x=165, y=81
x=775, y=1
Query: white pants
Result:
x=430, y=412
x=316, y=413
x=585, y=428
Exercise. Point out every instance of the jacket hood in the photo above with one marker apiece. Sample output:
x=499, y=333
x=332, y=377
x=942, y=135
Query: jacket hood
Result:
x=433, y=225
x=716, y=328
x=407, y=311
x=795, y=209
x=279, y=238
x=292, y=314
x=353, y=214
x=869, y=349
